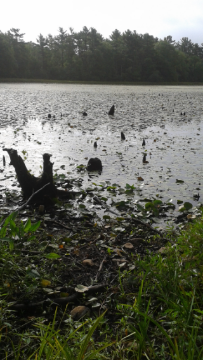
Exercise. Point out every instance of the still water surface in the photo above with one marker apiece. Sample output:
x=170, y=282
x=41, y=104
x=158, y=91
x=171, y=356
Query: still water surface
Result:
x=173, y=141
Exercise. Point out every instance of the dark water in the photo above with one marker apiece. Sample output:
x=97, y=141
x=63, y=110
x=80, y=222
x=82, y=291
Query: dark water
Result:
x=173, y=141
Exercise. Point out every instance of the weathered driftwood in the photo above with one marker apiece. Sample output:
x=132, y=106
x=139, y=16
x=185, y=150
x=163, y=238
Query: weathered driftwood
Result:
x=28, y=182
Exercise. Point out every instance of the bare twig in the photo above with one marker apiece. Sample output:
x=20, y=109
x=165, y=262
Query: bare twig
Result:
x=36, y=192
x=100, y=267
x=21, y=207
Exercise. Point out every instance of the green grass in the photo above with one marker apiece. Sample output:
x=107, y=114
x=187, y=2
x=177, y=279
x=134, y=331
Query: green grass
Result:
x=164, y=317
x=159, y=308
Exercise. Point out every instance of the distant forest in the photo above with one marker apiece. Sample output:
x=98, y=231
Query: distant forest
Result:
x=87, y=56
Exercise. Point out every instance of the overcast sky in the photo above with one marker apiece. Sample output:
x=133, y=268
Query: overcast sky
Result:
x=178, y=18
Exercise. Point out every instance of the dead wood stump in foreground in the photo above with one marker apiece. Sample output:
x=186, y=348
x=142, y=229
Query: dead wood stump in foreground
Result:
x=29, y=183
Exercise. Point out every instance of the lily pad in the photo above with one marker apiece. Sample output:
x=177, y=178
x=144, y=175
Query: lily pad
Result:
x=187, y=205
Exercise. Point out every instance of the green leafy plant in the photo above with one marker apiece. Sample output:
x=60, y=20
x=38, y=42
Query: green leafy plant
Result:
x=153, y=206
x=186, y=206
x=12, y=230
x=129, y=189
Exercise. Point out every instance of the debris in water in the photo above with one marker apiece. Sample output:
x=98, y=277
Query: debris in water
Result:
x=122, y=136
x=111, y=111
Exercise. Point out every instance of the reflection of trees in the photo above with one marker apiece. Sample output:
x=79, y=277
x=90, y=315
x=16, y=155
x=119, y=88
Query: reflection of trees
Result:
x=86, y=55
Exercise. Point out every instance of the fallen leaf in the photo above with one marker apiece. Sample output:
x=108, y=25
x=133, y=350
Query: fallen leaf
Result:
x=88, y=262
x=163, y=250
x=81, y=288
x=78, y=312
x=64, y=294
x=119, y=260
x=122, y=265
x=140, y=178
x=128, y=245
x=92, y=299
x=118, y=251
x=47, y=290
x=190, y=216
x=6, y=284
x=45, y=283
x=76, y=252
x=132, y=267
x=96, y=305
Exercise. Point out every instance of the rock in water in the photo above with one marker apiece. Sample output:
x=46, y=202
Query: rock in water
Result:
x=95, y=144
x=111, y=111
x=94, y=164
x=122, y=136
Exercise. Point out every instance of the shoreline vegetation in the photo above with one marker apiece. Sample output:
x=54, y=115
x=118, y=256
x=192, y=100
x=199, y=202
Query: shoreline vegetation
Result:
x=85, y=289
x=88, y=56
x=50, y=81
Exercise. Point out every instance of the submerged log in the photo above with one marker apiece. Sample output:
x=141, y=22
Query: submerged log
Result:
x=28, y=182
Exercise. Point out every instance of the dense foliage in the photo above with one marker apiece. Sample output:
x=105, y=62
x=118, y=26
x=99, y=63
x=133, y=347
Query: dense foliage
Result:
x=87, y=56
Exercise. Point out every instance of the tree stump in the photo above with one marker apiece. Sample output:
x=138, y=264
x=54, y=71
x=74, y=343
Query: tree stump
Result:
x=94, y=164
x=111, y=111
x=29, y=183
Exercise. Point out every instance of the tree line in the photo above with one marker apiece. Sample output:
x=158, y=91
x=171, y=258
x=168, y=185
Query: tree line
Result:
x=87, y=56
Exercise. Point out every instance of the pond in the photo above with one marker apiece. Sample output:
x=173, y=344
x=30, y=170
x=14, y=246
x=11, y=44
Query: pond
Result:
x=169, y=118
